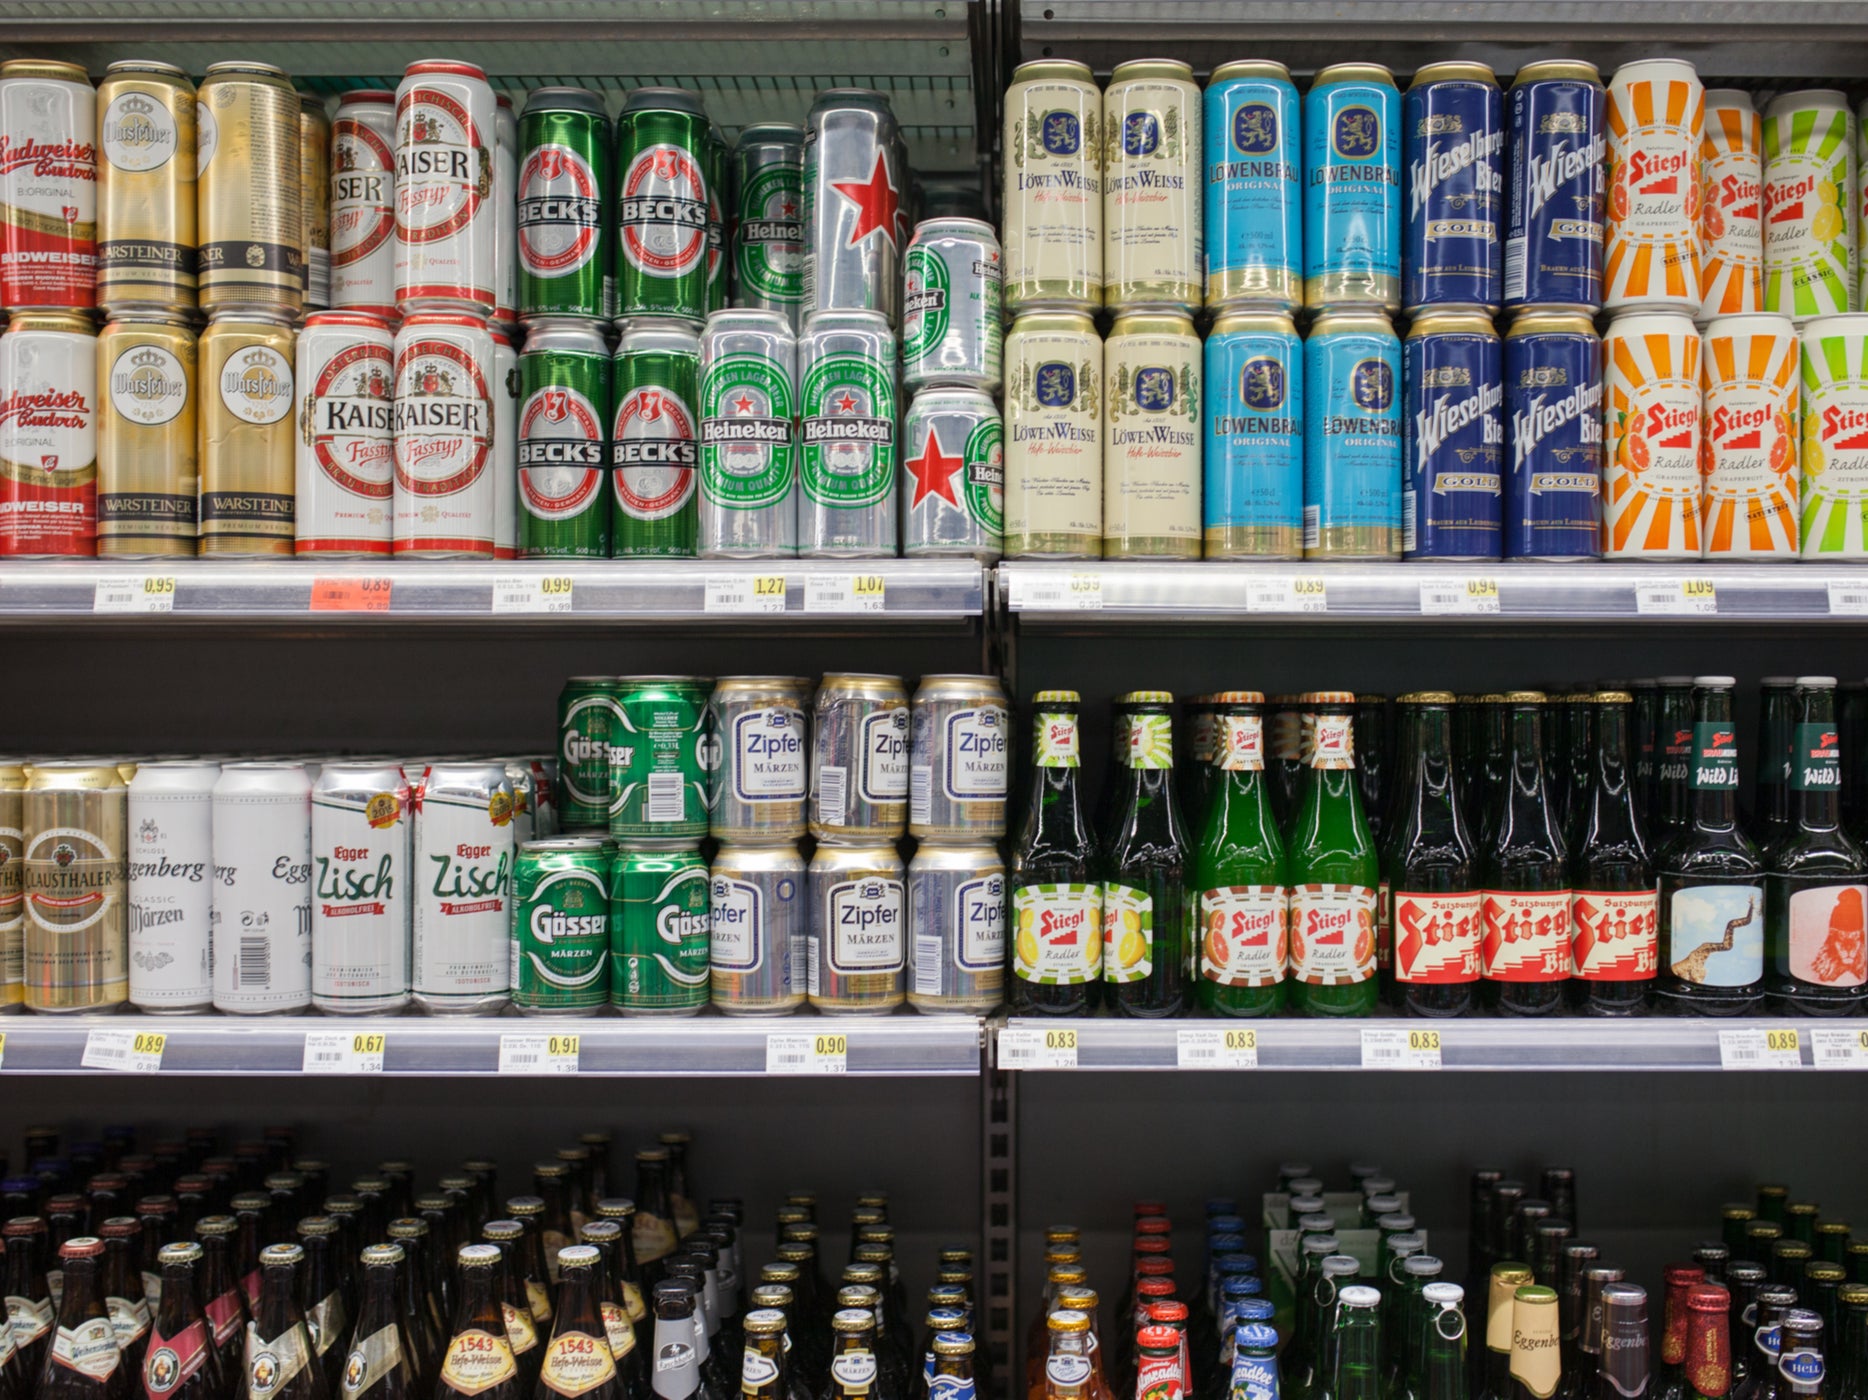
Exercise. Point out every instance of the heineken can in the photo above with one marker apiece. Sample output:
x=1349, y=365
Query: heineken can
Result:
x=716, y=166
x=768, y=223
x=852, y=201
x=563, y=206
x=12, y=899
x=953, y=487
x=758, y=930
x=262, y=889
x=856, y=951
x=759, y=784
x=360, y=888
x=660, y=756
x=586, y=712
x=859, y=759
x=951, y=283
x=654, y=439
x=564, y=407
x=959, y=759
x=956, y=923
x=74, y=885
x=658, y=907
x=748, y=461
x=662, y=205
x=461, y=957
x=171, y=883
x=503, y=391
x=847, y=425
x=561, y=926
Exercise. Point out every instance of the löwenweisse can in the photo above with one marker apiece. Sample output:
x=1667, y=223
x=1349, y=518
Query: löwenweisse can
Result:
x=1453, y=139
x=1151, y=185
x=1254, y=460
x=1254, y=187
x=1454, y=435
x=1553, y=235
x=1352, y=189
x=1553, y=419
x=1651, y=480
x=1053, y=233
x=1352, y=437
x=1835, y=438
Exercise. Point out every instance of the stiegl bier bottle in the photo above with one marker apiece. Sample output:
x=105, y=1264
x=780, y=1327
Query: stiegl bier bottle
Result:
x=1057, y=900
x=1429, y=869
x=1525, y=868
x=1240, y=874
x=1614, y=922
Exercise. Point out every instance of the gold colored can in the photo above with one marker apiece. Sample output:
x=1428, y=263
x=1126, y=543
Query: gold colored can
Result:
x=12, y=899
x=1053, y=437
x=314, y=184
x=146, y=143
x=250, y=214
x=1152, y=365
x=1053, y=227
x=248, y=502
x=1152, y=185
x=148, y=463
x=75, y=945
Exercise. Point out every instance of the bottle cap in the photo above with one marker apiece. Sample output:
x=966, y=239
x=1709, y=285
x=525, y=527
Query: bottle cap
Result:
x=1157, y=1338
x=382, y=1254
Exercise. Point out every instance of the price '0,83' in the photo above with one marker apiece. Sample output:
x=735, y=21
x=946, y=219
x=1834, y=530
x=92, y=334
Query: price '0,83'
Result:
x=1060, y=1040
x=1242, y=1040
x=1423, y=1040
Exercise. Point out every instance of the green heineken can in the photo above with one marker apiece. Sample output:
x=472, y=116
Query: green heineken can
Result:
x=564, y=200
x=655, y=440
x=586, y=714
x=661, y=759
x=718, y=273
x=561, y=926
x=564, y=412
x=663, y=205
x=661, y=932
x=768, y=224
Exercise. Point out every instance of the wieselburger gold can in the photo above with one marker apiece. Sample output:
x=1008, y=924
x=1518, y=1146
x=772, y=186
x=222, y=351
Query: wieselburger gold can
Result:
x=148, y=460
x=75, y=882
x=146, y=141
x=248, y=467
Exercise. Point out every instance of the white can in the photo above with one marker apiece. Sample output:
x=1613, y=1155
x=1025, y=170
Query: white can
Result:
x=462, y=889
x=1152, y=186
x=1749, y=434
x=505, y=465
x=1651, y=229
x=346, y=434
x=171, y=880
x=1731, y=252
x=363, y=203
x=445, y=221
x=506, y=212
x=360, y=888
x=262, y=889
x=544, y=797
x=48, y=186
x=1651, y=484
x=444, y=487
x=1811, y=220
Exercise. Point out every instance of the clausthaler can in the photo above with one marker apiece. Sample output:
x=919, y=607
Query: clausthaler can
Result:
x=48, y=439
x=1152, y=191
x=859, y=759
x=749, y=457
x=445, y=481
x=959, y=759
x=564, y=410
x=346, y=434
x=1053, y=186
x=1352, y=438
x=247, y=198
x=1453, y=144
x=1152, y=365
x=561, y=926
x=760, y=782
x=1553, y=234
x=363, y=202
x=314, y=184
x=951, y=332
x=1454, y=436
x=1553, y=419
x=758, y=926
x=852, y=194
x=12, y=894
x=655, y=440
x=146, y=255
x=858, y=936
x=768, y=228
x=171, y=885
x=262, y=889
x=148, y=459
x=48, y=186
x=1254, y=187
x=953, y=489
x=660, y=756
x=586, y=712
x=1053, y=437
x=661, y=938
x=1254, y=459
x=662, y=204
x=248, y=460
x=956, y=929
x=362, y=888
x=446, y=220
x=565, y=205
x=1352, y=198
x=848, y=419
x=461, y=955
x=74, y=881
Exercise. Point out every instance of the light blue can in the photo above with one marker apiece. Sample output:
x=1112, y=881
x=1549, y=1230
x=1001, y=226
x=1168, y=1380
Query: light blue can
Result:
x=1352, y=437
x=1254, y=187
x=1254, y=436
x=1352, y=188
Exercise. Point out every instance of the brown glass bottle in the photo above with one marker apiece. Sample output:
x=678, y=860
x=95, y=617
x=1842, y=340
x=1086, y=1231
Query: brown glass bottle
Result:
x=31, y=1317
x=654, y=1225
x=535, y=1269
x=422, y=1330
x=551, y=1182
x=618, y=1327
x=578, y=1360
x=525, y=1336
x=222, y=1299
x=380, y=1361
x=1768, y=818
x=763, y=1373
x=1614, y=915
x=126, y=1301
x=84, y=1361
x=1428, y=866
x=479, y=1360
x=677, y=1371
x=321, y=1296
x=253, y=1211
x=1525, y=867
x=182, y=1362
x=279, y=1359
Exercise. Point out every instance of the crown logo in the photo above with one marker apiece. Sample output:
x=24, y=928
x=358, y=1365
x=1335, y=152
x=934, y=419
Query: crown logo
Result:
x=147, y=358
x=149, y=831
x=138, y=104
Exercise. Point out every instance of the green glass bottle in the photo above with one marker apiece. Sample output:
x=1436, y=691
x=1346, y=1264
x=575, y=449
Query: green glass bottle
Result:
x=1670, y=800
x=1428, y=866
x=1335, y=873
x=1297, y=1366
x=1772, y=806
x=1240, y=873
x=1851, y=1344
x=1439, y=1349
x=1356, y=1345
x=1147, y=904
x=1056, y=900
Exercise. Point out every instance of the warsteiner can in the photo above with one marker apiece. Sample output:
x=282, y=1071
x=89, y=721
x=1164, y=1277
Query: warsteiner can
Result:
x=758, y=927
x=248, y=205
x=586, y=712
x=314, y=185
x=953, y=486
x=655, y=440
x=848, y=418
x=361, y=888
x=346, y=434
x=12, y=896
x=956, y=924
x=857, y=949
x=661, y=932
x=1352, y=191
x=748, y=457
x=445, y=481
x=48, y=186
x=561, y=927
x=1254, y=187
x=951, y=331
x=73, y=825
x=262, y=889
x=146, y=188
x=247, y=428
x=660, y=755
x=959, y=760
x=565, y=195
x=1152, y=192
x=768, y=229
x=1553, y=428
x=1352, y=438
x=859, y=759
x=1453, y=141
x=1254, y=459
x=1553, y=233
x=564, y=409
x=759, y=785
x=461, y=958
x=171, y=884
x=853, y=188
x=446, y=221
x=148, y=459
x=1152, y=436
x=1054, y=437
x=1454, y=436
x=662, y=209
x=363, y=202
x=48, y=435
x=1053, y=144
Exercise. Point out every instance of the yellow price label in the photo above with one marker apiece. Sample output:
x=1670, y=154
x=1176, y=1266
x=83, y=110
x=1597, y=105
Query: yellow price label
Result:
x=1423, y=1040
x=867, y=586
x=565, y=1045
x=1785, y=1040
x=1697, y=588
x=149, y=1042
x=368, y=1043
x=830, y=1045
x=1060, y=1040
x=1086, y=583
x=555, y=585
x=1242, y=1040
x=768, y=586
x=2, y=1047
x=1308, y=586
x=155, y=585
x=1481, y=588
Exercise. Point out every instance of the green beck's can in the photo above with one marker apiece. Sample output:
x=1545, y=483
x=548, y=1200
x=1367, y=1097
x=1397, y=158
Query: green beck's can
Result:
x=563, y=437
x=661, y=759
x=663, y=205
x=561, y=926
x=655, y=439
x=586, y=713
x=659, y=948
x=564, y=199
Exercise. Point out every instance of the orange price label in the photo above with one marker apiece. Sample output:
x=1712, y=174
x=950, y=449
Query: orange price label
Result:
x=350, y=595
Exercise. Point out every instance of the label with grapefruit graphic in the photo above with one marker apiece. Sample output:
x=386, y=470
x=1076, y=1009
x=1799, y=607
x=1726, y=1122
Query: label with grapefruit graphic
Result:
x=1242, y=935
x=1436, y=937
x=1128, y=933
x=1651, y=405
x=1809, y=206
x=1656, y=121
x=1731, y=240
x=1835, y=438
x=1333, y=934
x=1748, y=438
x=1527, y=935
x=1828, y=945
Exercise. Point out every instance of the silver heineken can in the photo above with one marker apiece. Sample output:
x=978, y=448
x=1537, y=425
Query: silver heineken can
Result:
x=461, y=959
x=749, y=455
x=768, y=228
x=760, y=781
x=852, y=203
x=171, y=869
x=361, y=884
x=959, y=760
x=858, y=939
x=956, y=926
x=262, y=889
x=760, y=924
x=847, y=425
x=952, y=283
x=953, y=475
x=524, y=801
x=859, y=759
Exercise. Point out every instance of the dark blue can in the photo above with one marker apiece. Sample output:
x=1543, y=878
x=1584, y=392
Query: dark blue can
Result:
x=1553, y=237
x=1454, y=441
x=1453, y=140
x=1553, y=431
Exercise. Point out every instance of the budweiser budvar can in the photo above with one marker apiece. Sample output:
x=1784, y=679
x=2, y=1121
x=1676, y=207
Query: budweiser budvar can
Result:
x=146, y=254
x=171, y=886
x=444, y=490
x=446, y=224
x=346, y=435
x=1811, y=215
x=748, y=457
x=12, y=897
x=74, y=883
x=953, y=487
x=1151, y=446
x=247, y=197
x=1651, y=407
x=363, y=202
x=360, y=888
x=564, y=406
x=1053, y=186
x=848, y=422
x=248, y=497
x=655, y=439
x=262, y=889
x=1152, y=192
x=1835, y=438
x=462, y=889
x=852, y=196
x=1053, y=437
x=1656, y=121
x=505, y=212
x=314, y=189
x=1731, y=244
x=505, y=392
x=48, y=435
x=768, y=231
x=148, y=457
x=48, y=186
x=1749, y=434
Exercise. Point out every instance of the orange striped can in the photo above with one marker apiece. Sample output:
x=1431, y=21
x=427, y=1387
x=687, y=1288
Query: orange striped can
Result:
x=1731, y=238
x=1749, y=437
x=1656, y=120
x=1651, y=483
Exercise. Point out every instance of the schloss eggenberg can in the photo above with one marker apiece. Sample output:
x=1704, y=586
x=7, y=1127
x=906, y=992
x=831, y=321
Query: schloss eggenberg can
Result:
x=262, y=889
x=171, y=886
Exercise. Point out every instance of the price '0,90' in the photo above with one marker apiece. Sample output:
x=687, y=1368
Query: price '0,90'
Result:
x=831, y=1045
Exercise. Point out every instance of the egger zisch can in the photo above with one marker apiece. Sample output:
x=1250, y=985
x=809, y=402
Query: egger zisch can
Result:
x=461, y=959
x=362, y=885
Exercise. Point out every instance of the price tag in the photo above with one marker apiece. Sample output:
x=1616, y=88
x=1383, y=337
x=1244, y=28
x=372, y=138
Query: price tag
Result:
x=1831, y=1047
x=1473, y=595
x=844, y=593
x=139, y=1052
x=797, y=1052
x=1072, y=592
x=1216, y=1047
x=744, y=593
x=1676, y=597
x=1848, y=599
x=350, y=595
x=1386, y=1049
x=1037, y=1047
x=548, y=593
x=1760, y=1049
x=1303, y=593
x=2, y=1047
x=139, y=593
x=344, y=1052
x=539, y=1054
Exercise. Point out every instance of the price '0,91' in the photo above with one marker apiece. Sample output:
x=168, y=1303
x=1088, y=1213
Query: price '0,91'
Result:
x=563, y=1045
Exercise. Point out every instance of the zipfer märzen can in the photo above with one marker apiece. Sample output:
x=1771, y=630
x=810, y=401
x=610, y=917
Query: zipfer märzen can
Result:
x=1553, y=235
x=758, y=920
x=1553, y=430
x=1454, y=435
x=759, y=785
x=1453, y=139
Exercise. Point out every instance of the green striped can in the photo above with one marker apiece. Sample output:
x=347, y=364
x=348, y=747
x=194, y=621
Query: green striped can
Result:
x=661, y=759
x=563, y=432
x=717, y=270
x=663, y=205
x=586, y=713
x=661, y=932
x=561, y=926
x=1811, y=220
x=564, y=199
x=1835, y=438
x=655, y=440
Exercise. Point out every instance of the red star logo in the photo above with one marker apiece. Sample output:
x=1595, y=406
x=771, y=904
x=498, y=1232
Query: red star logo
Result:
x=742, y=404
x=846, y=404
x=934, y=472
x=788, y=208
x=875, y=200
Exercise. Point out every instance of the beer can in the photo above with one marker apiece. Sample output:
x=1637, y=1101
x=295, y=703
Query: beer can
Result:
x=1053, y=143
x=48, y=435
x=564, y=409
x=171, y=882
x=857, y=946
x=859, y=759
x=1152, y=192
x=74, y=881
x=1650, y=231
x=248, y=449
x=1812, y=214
x=446, y=220
x=48, y=186
x=956, y=920
x=660, y=757
x=524, y=802
x=662, y=932
x=547, y=819
x=146, y=255
x=953, y=492
x=959, y=762
x=1731, y=225
x=586, y=714
x=363, y=203
x=1053, y=437
x=852, y=197
x=1553, y=409
x=1352, y=438
x=847, y=424
x=1553, y=233
x=1453, y=436
x=654, y=440
x=504, y=460
x=1151, y=441
x=662, y=204
x=561, y=927
x=248, y=204
x=564, y=205
x=1453, y=141
x=1254, y=187
x=445, y=482
x=1352, y=191
x=1254, y=459
x=759, y=785
x=314, y=184
x=461, y=955
x=505, y=214
x=1749, y=381
x=716, y=155
x=362, y=885
x=748, y=458
x=12, y=895
x=768, y=224
x=262, y=889
x=1835, y=438
x=757, y=929
x=1650, y=477
x=148, y=459
x=345, y=457
x=951, y=331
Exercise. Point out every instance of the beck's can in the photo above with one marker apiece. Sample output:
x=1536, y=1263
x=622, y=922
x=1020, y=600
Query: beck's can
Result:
x=759, y=786
x=1254, y=459
x=461, y=957
x=362, y=882
x=314, y=185
x=1651, y=481
x=148, y=459
x=1749, y=377
x=1553, y=418
x=48, y=186
x=363, y=202
x=171, y=884
x=563, y=434
x=1452, y=121
x=75, y=886
x=565, y=205
x=758, y=922
x=505, y=216
x=951, y=331
x=1054, y=437
x=146, y=188
x=858, y=938
x=1352, y=438
x=1053, y=186
x=1352, y=191
x=853, y=188
x=662, y=938
x=12, y=898
x=768, y=228
x=748, y=456
x=859, y=759
x=1254, y=187
x=953, y=486
x=655, y=440
x=445, y=481
x=248, y=204
x=1812, y=213
x=960, y=740
x=1835, y=438
x=247, y=427
x=262, y=889
x=1152, y=435
x=48, y=442
x=1151, y=185
x=662, y=200
x=561, y=927
x=956, y=924
x=1731, y=156
x=586, y=713
x=445, y=215
x=660, y=756
x=346, y=434
x=1651, y=229
x=1454, y=436
x=848, y=421
x=1553, y=232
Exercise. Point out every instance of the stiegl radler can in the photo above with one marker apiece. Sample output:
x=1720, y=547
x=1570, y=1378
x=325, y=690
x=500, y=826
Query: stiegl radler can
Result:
x=1651, y=216
x=760, y=784
x=1553, y=429
x=146, y=145
x=853, y=189
x=148, y=456
x=1254, y=458
x=1152, y=436
x=663, y=936
x=953, y=484
x=561, y=927
x=1053, y=229
x=1653, y=490
x=346, y=434
x=1352, y=194
x=461, y=956
x=1553, y=230
x=960, y=759
x=1454, y=436
x=249, y=503
x=748, y=456
x=586, y=714
x=956, y=922
x=1054, y=437
x=758, y=930
x=262, y=889
x=859, y=759
x=1352, y=438
x=1254, y=187
x=858, y=932
x=1835, y=438
x=848, y=418
x=951, y=331
x=171, y=886
x=563, y=434
x=248, y=200
x=361, y=888
x=655, y=439
x=1453, y=141
x=661, y=756
x=74, y=885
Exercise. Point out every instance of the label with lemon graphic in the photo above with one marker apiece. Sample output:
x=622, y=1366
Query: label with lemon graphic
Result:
x=1128, y=933
x=1809, y=206
x=1835, y=439
x=1151, y=743
x=1059, y=934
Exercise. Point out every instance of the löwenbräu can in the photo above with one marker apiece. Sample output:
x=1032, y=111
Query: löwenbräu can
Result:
x=858, y=934
x=1553, y=233
x=1553, y=427
x=655, y=440
x=760, y=783
x=951, y=332
x=461, y=952
x=853, y=188
x=859, y=759
x=249, y=504
x=660, y=935
x=346, y=434
x=848, y=420
x=768, y=232
x=1054, y=437
x=73, y=821
x=956, y=926
x=586, y=713
x=953, y=486
x=1454, y=436
x=564, y=412
x=1053, y=228
x=758, y=927
x=1151, y=185
x=960, y=759
x=1352, y=190
x=1152, y=436
x=659, y=759
x=1254, y=187
x=249, y=215
x=362, y=883
x=1254, y=459
x=1453, y=140
x=565, y=203
x=1352, y=438
x=748, y=458
x=146, y=254
x=148, y=456
x=662, y=204
x=171, y=884
x=262, y=889
x=561, y=926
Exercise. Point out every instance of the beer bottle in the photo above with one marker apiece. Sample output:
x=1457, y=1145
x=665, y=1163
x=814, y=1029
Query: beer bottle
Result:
x=1427, y=864
x=1193, y=765
x=1372, y=726
x=1596, y=1277
x=762, y=1370
x=1624, y=1367
x=1439, y=1370
x=523, y=1326
x=1578, y=1258
x=1334, y=873
x=1770, y=815
x=855, y=1368
x=1821, y=1282
x=222, y=1298
x=1481, y=1199
x=1852, y=724
x=1734, y=1217
x=1508, y=1276
x=1577, y=758
x=1712, y=1258
x=1115, y=779
x=252, y=1210
x=379, y=1361
x=1287, y=760
x=1147, y=905
x=1832, y=1241
x=1800, y=1366
x=946, y=1312
x=321, y=1297
x=1356, y=1346
x=1037, y=1344
x=680, y=1196
x=1402, y=1369
x=126, y=1301
x=1492, y=774
x=84, y=1361
x=1335, y=1272
x=1743, y=1279
x=1536, y=1358
x=1299, y=1359
x=1254, y=1363
x=1851, y=1344
x=624, y=1271
x=1775, y=1301
x=1707, y=1369
x=1158, y=1373
x=1711, y=877
x=1670, y=801
x=654, y=1223
x=1240, y=872
x=1772, y=1200
x=182, y=1361
x=279, y=1360
x=1525, y=871
x=552, y=1184
x=618, y=1326
x=156, y=1225
x=676, y=1372
x=781, y=1299
x=479, y=1360
x=578, y=1359
x=953, y=1368
x=422, y=1332
x=1646, y=717
x=687, y=1269
x=1067, y=1366
x=1614, y=923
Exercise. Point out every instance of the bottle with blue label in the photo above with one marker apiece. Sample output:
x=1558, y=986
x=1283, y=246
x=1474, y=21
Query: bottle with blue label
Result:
x=1254, y=187
x=1254, y=1363
x=1254, y=460
x=1454, y=436
x=1352, y=188
x=1452, y=121
x=1352, y=437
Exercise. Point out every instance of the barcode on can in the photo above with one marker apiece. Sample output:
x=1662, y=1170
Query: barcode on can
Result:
x=1313, y=527
x=927, y=966
x=832, y=798
x=1515, y=266
x=1408, y=511
x=921, y=793
x=667, y=798
x=810, y=961
x=253, y=966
